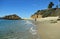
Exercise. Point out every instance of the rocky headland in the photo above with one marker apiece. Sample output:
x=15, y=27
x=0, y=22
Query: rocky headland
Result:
x=11, y=17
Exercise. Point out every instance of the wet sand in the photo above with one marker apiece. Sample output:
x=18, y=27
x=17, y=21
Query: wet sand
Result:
x=48, y=29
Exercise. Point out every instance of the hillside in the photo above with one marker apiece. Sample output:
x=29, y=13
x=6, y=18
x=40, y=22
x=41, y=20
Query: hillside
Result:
x=46, y=13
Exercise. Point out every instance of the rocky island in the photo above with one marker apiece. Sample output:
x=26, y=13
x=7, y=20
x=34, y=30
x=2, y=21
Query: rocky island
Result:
x=11, y=17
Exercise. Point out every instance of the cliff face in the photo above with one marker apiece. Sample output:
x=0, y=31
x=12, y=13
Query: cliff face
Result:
x=36, y=16
x=11, y=17
x=46, y=13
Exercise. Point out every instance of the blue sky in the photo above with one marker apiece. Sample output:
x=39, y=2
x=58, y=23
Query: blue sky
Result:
x=23, y=8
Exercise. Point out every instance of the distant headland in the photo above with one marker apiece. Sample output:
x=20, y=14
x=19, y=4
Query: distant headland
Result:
x=11, y=17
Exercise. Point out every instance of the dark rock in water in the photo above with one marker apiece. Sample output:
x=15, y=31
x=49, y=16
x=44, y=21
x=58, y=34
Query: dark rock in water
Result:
x=11, y=17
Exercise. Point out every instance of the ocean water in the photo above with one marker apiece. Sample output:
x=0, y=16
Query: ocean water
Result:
x=18, y=29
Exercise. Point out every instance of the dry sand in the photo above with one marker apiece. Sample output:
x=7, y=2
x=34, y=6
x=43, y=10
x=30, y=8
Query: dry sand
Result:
x=48, y=29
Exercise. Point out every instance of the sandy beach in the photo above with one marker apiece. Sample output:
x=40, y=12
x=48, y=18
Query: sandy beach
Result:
x=48, y=29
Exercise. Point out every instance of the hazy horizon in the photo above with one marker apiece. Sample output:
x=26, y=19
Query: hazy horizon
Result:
x=23, y=8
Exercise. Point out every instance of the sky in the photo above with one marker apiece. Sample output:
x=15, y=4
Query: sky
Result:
x=23, y=8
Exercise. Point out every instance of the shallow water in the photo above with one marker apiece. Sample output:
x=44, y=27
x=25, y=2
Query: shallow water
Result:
x=18, y=29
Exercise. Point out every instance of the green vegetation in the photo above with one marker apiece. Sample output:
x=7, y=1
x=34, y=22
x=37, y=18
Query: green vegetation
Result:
x=47, y=13
x=51, y=5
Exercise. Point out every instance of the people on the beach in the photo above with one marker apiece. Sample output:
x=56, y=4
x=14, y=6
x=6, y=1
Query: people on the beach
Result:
x=35, y=19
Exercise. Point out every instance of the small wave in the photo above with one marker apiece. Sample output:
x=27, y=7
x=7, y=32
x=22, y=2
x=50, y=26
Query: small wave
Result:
x=33, y=31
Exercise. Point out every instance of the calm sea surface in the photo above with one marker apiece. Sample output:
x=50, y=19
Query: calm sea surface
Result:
x=18, y=29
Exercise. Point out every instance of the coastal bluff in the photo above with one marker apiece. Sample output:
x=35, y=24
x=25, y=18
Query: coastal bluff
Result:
x=53, y=12
x=11, y=17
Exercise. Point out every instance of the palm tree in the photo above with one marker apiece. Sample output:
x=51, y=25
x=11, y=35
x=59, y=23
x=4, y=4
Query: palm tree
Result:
x=50, y=5
x=59, y=2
